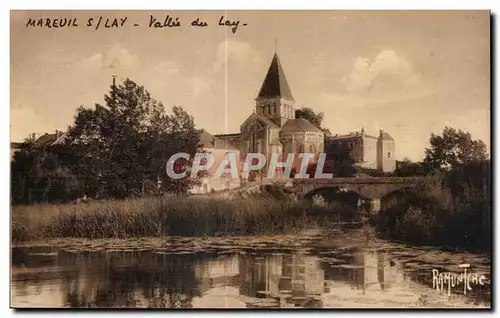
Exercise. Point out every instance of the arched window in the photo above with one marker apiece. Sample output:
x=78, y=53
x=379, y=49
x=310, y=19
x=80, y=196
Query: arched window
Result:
x=388, y=155
x=274, y=111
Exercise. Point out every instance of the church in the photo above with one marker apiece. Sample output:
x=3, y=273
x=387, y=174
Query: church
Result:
x=272, y=127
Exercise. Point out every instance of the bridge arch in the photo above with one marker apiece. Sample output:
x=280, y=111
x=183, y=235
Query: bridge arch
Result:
x=399, y=192
x=398, y=196
x=339, y=201
x=333, y=194
x=372, y=189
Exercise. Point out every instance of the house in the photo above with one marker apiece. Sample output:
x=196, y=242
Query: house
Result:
x=218, y=149
x=47, y=139
x=14, y=147
x=364, y=150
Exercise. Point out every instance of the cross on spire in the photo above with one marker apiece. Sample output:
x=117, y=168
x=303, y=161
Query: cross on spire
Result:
x=275, y=45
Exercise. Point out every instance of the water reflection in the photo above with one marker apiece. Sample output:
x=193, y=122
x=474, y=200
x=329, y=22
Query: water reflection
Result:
x=362, y=271
x=45, y=277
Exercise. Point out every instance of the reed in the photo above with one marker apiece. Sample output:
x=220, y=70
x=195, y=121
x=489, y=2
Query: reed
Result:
x=166, y=216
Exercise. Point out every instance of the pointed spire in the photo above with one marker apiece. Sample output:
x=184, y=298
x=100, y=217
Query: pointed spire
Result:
x=275, y=83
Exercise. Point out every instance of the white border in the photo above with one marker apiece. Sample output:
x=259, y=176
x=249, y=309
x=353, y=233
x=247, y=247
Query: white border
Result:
x=184, y=4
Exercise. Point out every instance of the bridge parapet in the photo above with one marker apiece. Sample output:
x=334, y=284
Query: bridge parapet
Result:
x=368, y=188
x=373, y=180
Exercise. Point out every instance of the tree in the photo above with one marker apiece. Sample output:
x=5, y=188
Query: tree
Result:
x=125, y=144
x=180, y=135
x=38, y=175
x=314, y=118
x=23, y=172
x=407, y=168
x=452, y=149
x=115, y=150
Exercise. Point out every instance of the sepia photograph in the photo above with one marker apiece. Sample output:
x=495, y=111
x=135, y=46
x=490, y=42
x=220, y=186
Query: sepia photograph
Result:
x=219, y=159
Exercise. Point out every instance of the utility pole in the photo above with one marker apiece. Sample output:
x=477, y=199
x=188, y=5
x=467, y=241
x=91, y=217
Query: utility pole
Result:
x=113, y=89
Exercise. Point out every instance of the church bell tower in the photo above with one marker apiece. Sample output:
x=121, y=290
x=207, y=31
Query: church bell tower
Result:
x=275, y=100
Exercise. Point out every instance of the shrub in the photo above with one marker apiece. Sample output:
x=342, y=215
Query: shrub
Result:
x=448, y=209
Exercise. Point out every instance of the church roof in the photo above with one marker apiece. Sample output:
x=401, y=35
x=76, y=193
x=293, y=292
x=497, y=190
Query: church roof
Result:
x=275, y=83
x=268, y=122
x=299, y=125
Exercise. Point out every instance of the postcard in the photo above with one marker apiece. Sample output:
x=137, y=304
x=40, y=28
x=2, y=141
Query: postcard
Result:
x=250, y=159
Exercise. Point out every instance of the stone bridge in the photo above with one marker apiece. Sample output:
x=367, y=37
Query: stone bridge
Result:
x=372, y=188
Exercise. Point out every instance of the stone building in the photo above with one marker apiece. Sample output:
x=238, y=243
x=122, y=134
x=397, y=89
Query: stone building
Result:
x=218, y=149
x=272, y=127
x=364, y=150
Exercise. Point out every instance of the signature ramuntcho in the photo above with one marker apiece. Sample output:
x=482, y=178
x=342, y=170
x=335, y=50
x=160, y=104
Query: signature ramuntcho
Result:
x=448, y=280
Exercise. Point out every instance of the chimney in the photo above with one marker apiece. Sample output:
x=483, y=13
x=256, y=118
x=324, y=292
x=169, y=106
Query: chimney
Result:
x=57, y=133
x=114, y=80
x=381, y=133
x=362, y=130
x=33, y=136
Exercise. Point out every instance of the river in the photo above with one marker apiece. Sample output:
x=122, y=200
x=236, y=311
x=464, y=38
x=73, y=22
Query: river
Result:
x=321, y=269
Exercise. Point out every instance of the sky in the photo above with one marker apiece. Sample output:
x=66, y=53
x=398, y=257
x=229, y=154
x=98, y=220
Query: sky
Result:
x=410, y=73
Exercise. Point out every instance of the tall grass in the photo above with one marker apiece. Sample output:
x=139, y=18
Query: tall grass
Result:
x=162, y=216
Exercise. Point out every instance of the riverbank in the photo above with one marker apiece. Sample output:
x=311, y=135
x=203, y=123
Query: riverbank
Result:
x=171, y=216
x=446, y=212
